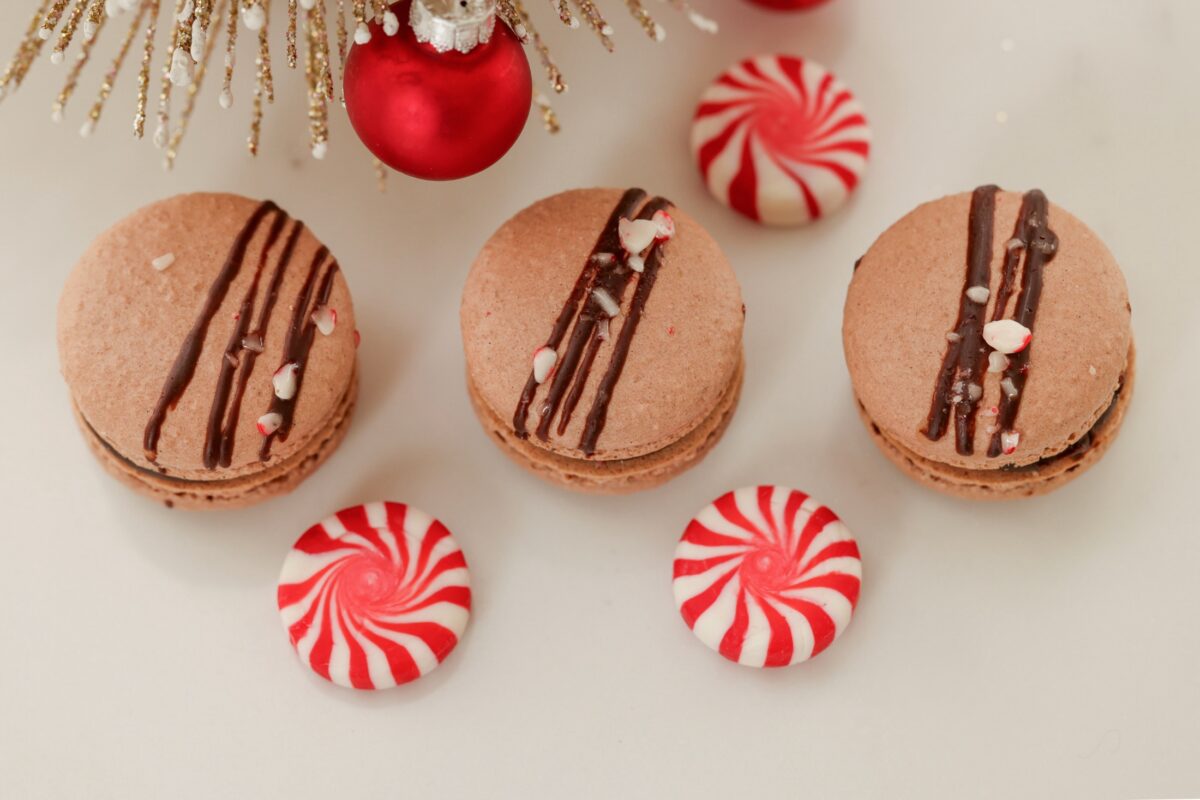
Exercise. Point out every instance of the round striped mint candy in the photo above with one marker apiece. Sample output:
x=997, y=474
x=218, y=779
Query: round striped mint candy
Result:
x=780, y=140
x=375, y=596
x=767, y=576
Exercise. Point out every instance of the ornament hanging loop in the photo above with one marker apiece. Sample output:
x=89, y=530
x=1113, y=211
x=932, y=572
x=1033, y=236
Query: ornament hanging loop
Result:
x=453, y=24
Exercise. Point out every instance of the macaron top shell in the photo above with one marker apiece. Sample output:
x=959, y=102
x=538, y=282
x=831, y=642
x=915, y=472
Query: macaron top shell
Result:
x=904, y=299
x=681, y=360
x=122, y=323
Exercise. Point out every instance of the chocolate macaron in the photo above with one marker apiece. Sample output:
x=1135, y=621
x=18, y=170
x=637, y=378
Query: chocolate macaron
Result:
x=603, y=339
x=208, y=342
x=988, y=340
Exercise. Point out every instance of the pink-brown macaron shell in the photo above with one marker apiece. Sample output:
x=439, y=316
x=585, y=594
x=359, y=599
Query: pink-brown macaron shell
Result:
x=122, y=323
x=682, y=360
x=904, y=300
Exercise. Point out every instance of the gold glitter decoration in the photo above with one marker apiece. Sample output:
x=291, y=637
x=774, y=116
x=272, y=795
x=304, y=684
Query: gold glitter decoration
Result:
x=164, y=91
x=91, y=25
x=342, y=40
x=563, y=9
x=316, y=71
x=549, y=118
x=139, y=118
x=68, y=32
x=27, y=50
x=110, y=77
x=189, y=45
x=552, y=72
x=596, y=22
x=72, y=81
x=290, y=36
x=264, y=85
x=193, y=89
x=52, y=18
x=652, y=28
x=231, y=32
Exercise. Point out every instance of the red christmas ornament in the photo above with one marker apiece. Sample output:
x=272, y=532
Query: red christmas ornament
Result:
x=789, y=5
x=439, y=115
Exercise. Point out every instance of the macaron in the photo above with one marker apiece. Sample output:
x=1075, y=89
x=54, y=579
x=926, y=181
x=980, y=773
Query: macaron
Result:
x=603, y=337
x=208, y=343
x=989, y=344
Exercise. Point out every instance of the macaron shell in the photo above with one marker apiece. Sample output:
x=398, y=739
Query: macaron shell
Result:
x=997, y=484
x=122, y=322
x=279, y=477
x=687, y=346
x=904, y=299
x=615, y=476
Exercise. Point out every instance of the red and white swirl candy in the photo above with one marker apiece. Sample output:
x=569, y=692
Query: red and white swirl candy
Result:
x=767, y=576
x=780, y=140
x=375, y=596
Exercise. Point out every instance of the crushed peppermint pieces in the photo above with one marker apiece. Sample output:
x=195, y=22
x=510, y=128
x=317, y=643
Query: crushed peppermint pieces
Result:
x=952, y=337
x=163, y=261
x=1009, y=441
x=637, y=234
x=602, y=330
x=636, y=263
x=997, y=361
x=544, y=359
x=1008, y=387
x=606, y=301
x=1015, y=243
x=1092, y=371
x=284, y=380
x=269, y=423
x=603, y=259
x=979, y=294
x=666, y=225
x=253, y=343
x=1007, y=335
x=974, y=391
x=325, y=318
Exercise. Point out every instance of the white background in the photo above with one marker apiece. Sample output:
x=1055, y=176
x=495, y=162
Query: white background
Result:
x=1045, y=648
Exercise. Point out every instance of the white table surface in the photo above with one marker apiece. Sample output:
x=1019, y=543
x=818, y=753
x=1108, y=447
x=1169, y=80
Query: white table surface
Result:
x=1047, y=648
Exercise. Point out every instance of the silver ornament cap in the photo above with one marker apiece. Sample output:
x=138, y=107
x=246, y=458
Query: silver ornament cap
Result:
x=459, y=25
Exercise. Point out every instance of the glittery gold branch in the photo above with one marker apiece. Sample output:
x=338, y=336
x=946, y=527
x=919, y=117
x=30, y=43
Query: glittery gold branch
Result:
x=27, y=51
x=652, y=28
x=165, y=84
x=191, y=31
x=320, y=85
x=68, y=32
x=596, y=22
x=290, y=36
x=552, y=71
x=143, y=81
x=193, y=89
x=72, y=81
x=110, y=77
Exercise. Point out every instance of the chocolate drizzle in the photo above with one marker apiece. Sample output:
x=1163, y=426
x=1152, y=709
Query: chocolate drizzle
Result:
x=237, y=358
x=607, y=270
x=1041, y=245
x=297, y=344
x=964, y=361
x=184, y=368
x=959, y=385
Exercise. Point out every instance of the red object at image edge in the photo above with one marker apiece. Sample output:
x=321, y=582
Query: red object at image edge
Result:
x=437, y=116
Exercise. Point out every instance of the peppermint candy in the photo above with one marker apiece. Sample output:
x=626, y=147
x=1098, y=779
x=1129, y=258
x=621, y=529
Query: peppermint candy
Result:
x=767, y=576
x=780, y=140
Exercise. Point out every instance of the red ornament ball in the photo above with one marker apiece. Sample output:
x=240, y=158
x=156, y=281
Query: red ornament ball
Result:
x=789, y=5
x=437, y=116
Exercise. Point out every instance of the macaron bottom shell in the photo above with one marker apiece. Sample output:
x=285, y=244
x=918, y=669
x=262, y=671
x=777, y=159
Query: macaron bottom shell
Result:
x=1036, y=479
x=616, y=476
x=276, y=478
